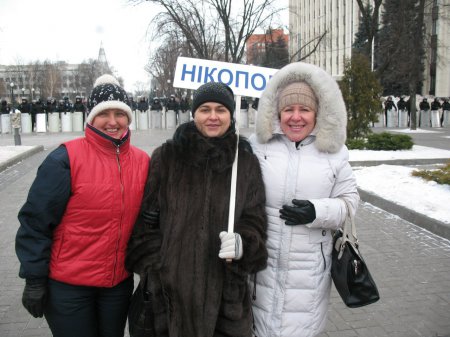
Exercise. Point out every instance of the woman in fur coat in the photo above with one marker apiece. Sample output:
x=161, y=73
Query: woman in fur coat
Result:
x=300, y=136
x=180, y=242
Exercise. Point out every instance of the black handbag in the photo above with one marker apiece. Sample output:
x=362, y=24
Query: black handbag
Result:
x=349, y=271
x=140, y=313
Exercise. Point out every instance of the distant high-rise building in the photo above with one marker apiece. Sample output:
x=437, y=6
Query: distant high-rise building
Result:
x=332, y=22
x=335, y=22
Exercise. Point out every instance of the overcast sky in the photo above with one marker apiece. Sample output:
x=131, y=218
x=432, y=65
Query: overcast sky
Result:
x=72, y=31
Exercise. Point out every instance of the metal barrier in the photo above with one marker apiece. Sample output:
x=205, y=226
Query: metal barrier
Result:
x=435, y=119
x=403, y=118
x=142, y=120
x=66, y=122
x=6, y=123
x=77, y=121
x=184, y=117
x=425, y=119
x=53, y=122
x=243, y=119
x=156, y=116
x=446, y=120
x=171, y=119
x=25, y=122
x=41, y=122
x=392, y=118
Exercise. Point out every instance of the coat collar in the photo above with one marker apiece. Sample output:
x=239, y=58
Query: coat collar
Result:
x=105, y=143
x=198, y=151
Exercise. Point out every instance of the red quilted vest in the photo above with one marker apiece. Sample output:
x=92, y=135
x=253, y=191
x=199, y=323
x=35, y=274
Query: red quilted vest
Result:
x=107, y=185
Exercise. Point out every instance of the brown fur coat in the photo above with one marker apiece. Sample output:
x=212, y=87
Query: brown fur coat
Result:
x=195, y=293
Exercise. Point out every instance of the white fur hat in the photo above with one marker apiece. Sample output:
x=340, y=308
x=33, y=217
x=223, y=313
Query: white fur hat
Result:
x=331, y=118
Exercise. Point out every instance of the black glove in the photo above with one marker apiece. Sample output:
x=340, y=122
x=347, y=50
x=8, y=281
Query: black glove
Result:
x=301, y=213
x=34, y=297
x=151, y=218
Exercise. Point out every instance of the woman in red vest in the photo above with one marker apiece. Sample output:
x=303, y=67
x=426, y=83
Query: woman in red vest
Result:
x=77, y=219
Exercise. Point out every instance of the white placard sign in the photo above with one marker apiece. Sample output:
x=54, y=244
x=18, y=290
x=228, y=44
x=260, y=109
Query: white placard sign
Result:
x=245, y=80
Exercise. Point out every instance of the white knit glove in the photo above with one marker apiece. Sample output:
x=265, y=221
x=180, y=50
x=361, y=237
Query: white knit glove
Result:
x=231, y=247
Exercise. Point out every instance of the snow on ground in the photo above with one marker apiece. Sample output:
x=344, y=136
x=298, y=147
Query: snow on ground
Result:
x=417, y=152
x=395, y=183
x=7, y=152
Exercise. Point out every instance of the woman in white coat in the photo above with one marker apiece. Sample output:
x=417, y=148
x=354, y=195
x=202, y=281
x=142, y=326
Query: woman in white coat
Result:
x=300, y=143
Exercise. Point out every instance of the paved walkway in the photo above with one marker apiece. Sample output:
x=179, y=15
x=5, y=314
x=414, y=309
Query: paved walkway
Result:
x=410, y=265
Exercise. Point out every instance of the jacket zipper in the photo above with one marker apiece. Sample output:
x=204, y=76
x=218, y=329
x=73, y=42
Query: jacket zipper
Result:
x=121, y=213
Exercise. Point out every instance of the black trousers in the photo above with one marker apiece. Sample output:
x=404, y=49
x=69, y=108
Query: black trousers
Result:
x=78, y=311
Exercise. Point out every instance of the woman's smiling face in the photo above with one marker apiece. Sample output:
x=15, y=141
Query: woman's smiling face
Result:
x=297, y=121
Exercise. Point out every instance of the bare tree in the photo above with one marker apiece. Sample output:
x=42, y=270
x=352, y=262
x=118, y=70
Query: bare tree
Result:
x=238, y=28
x=52, y=75
x=203, y=23
x=197, y=24
x=86, y=74
x=163, y=62
x=300, y=54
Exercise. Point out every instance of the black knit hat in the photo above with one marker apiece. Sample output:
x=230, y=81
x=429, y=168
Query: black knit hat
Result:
x=214, y=92
x=107, y=94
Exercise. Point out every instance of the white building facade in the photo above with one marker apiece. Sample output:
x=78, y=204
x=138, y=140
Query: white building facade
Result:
x=337, y=22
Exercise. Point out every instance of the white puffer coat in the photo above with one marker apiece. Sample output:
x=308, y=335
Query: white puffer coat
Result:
x=292, y=293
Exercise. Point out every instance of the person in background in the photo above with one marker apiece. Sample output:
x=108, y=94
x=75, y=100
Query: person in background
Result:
x=436, y=106
x=180, y=242
x=76, y=221
x=424, y=106
x=26, y=108
x=80, y=107
x=445, y=109
x=172, y=104
x=50, y=106
x=142, y=104
x=300, y=143
x=4, y=109
x=401, y=104
x=156, y=105
x=244, y=103
x=388, y=105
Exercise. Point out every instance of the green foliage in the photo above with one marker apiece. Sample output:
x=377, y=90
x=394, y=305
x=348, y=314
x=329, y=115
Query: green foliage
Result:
x=361, y=91
x=441, y=176
x=388, y=142
x=401, y=46
x=384, y=141
x=356, y=144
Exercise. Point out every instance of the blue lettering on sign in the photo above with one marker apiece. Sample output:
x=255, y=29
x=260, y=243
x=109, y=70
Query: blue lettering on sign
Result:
x=185, y=71
x=208, y=75
x=240, y=78
x=230, y=76
x=253, y=80
x=238, y=74
x=199, y=76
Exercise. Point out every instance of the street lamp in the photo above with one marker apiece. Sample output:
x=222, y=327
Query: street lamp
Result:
x=32, y=94
x=11, y=85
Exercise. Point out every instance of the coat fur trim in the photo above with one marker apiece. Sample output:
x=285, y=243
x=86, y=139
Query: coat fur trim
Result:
x=331, y=124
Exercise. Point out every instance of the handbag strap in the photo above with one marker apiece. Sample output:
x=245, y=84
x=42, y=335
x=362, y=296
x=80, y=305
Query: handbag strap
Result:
x=349, y=228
